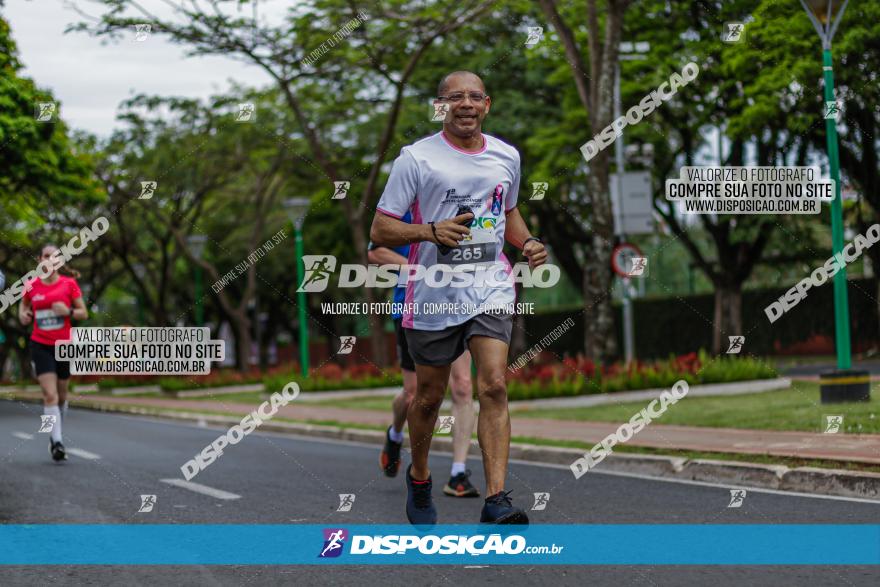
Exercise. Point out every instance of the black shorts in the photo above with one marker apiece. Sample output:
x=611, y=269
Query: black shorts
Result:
x=406, y=360
x=443, y=347
x=43, y=360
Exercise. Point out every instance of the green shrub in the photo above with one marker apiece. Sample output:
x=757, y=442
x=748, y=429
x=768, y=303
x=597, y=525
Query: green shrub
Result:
x=555, y=380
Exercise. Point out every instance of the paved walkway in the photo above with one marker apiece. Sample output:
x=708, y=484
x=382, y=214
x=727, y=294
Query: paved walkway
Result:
x=863, y=448
x=619, y=397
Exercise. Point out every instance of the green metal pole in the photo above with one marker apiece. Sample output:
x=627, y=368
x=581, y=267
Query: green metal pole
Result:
x=301, y=302
x=841, y=304
x=200, y=314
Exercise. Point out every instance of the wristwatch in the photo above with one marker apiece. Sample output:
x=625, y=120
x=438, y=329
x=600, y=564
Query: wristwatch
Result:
x=531, y=238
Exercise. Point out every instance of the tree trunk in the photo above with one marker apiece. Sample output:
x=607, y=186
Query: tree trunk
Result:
x=241, y=327
x=4, y=354
x=24, y=364
x=599, y=335
x=728, y=315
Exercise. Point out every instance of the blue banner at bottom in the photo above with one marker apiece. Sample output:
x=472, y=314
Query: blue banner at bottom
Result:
x=623, y=544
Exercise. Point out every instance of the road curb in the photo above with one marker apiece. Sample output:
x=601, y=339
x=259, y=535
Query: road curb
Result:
x=864, y=485
x=833, y=482
x=735, y=473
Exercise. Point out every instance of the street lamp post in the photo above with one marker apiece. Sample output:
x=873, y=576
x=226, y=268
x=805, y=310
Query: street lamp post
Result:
x=296, y=210
x=843, y=384
x=628, y=52
x=196, y=245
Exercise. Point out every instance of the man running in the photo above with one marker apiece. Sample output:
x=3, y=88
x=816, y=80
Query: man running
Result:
x=435, y=177
x=460, y=385
x=50, y=303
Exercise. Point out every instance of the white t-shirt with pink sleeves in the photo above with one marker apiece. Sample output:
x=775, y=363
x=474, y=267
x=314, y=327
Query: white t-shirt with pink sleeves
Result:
x=432, y=178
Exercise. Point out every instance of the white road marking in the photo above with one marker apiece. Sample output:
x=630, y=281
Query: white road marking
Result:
x=23, y=435
x=83, y=454
x=199, y=488
x=303, y=438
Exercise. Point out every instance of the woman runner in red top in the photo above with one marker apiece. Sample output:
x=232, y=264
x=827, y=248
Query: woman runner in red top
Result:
x=50, y=303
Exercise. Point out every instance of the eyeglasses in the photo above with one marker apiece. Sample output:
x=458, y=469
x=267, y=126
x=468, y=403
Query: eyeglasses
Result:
x=459, y=97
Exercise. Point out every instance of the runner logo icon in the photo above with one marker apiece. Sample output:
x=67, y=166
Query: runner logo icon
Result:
x=318, y=268
x=340, y=189
x=639, y=264
x=737, y=496
x=832, y=109
x=539, y=190
x=536, y=33
x=833, y=424
x=148, y=188
x=147, y=503
x=446, y=424
x=346, y=500
x=45, y=111
x=441, y=109
x=346, y=344
x=246, y=112
x=47, y=423
x=142, y=32
x=733, y=33
x=334, y=541
x=541, y=500
x=736, y=344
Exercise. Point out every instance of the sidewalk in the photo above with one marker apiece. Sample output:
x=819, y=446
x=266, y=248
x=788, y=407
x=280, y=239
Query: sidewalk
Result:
x=839, y=447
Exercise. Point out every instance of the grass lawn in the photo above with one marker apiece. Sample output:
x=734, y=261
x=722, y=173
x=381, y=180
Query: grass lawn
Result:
x=797, y=408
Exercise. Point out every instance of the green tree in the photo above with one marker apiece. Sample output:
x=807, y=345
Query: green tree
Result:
x=322, y=93
x=45, y=178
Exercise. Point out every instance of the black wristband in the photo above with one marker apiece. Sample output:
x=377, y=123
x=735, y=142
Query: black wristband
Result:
x=434, y=232
x=531, y=238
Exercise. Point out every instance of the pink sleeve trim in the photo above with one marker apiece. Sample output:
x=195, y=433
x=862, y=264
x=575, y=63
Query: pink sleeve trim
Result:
x=387, y=213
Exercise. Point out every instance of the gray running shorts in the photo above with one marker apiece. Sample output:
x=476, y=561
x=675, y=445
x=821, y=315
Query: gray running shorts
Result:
x=441, y=347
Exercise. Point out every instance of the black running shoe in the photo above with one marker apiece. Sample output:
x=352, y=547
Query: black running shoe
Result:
x=460, y=486
x=56, y=449
x=389, y=458
x=499, y=510
x=420, y=510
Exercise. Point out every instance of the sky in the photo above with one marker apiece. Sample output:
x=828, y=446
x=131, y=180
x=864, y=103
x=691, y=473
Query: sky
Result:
x=90, y=79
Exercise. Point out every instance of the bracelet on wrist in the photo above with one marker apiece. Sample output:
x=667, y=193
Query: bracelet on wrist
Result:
x=531, y=238
x=434, y=232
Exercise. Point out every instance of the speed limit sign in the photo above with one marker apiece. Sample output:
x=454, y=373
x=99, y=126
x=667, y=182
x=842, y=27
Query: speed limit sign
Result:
x=628, y=261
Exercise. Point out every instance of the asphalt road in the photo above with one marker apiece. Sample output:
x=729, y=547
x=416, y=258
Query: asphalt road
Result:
x=285, y=479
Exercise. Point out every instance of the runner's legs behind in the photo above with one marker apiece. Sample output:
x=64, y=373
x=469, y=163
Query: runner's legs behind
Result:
x=389, y=458
x=462, y=389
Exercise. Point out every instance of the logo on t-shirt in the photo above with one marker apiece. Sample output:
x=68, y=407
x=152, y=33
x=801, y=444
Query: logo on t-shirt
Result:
x=39, y=298
x=497, y=197
x=460, y=199
x=484, y=222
